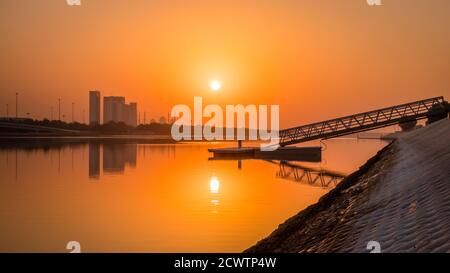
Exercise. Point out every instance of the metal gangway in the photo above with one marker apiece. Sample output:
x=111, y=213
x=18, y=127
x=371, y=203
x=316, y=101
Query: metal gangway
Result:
x=364, y=121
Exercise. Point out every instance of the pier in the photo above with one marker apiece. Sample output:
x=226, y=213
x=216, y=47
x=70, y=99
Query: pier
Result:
x=307, y=154
x=432, y=108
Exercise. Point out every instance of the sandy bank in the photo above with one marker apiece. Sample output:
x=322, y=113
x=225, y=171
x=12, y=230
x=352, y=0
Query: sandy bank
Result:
x=400, y=198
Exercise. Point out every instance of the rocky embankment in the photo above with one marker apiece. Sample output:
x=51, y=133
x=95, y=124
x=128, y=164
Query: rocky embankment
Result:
x=399, y=198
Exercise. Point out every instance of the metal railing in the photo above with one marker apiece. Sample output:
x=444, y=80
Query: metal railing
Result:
x=363, y=121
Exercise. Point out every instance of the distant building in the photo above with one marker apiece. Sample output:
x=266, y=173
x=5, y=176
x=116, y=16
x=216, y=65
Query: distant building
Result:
x=115, y=109
x=132, y=114
x=94, y=107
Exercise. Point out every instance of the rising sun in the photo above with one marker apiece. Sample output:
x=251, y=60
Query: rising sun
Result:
x=215, y=85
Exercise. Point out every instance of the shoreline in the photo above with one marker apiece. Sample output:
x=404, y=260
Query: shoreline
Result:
x=399, y=198
x=48, y=141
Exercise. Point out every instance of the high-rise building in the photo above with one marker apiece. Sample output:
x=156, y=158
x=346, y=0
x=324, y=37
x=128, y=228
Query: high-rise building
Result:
x=115, y=109
x=94, y=107
x=132, y=114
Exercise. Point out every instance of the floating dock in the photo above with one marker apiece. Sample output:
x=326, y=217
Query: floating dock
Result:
x=307, y=154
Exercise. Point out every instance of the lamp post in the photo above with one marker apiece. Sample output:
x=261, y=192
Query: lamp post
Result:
x=73, y=105
x=17, y=104
x=59, y=109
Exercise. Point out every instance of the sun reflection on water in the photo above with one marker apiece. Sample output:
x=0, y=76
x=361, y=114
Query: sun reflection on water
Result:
x=214, y=187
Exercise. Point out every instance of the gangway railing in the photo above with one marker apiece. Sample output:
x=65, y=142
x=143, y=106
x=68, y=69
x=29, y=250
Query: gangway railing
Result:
x=364, y=121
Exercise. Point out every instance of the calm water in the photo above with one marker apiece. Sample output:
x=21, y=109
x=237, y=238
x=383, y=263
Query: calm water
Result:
x=156, y=198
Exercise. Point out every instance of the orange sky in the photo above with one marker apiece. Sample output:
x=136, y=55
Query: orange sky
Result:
x=317, y=59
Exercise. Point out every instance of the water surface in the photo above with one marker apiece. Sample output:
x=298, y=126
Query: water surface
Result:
x=116, y=197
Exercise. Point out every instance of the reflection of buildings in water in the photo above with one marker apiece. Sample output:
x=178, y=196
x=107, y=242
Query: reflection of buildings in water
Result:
x=145, y=150
x=94, y=160
x=16, y=163
x=116, y=156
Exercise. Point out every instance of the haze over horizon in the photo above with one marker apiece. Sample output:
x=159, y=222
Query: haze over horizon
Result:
x=317, y=61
